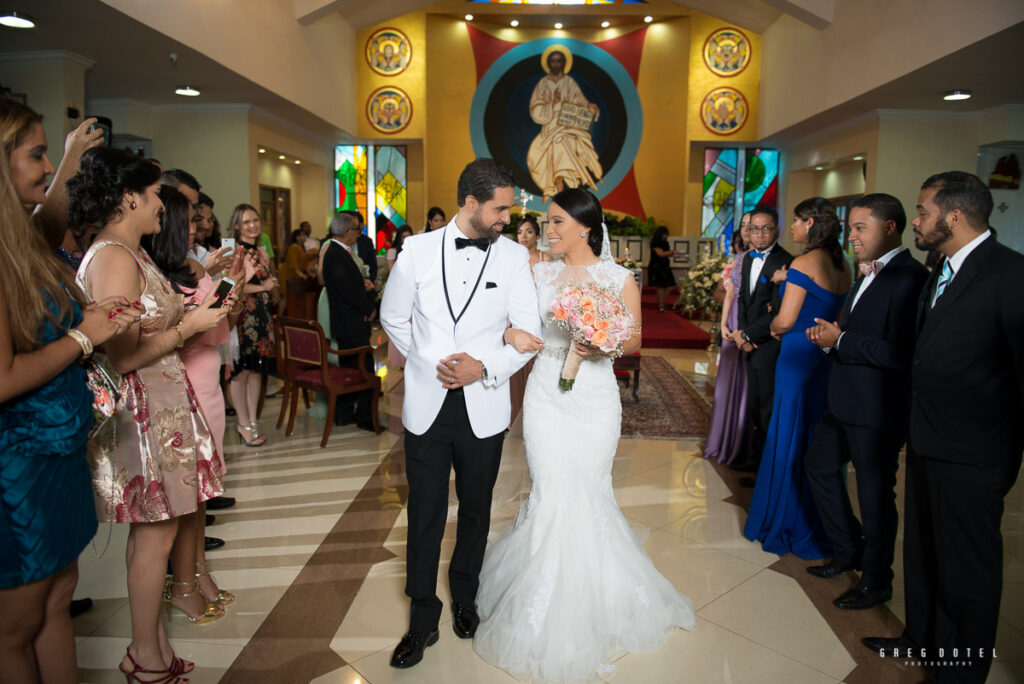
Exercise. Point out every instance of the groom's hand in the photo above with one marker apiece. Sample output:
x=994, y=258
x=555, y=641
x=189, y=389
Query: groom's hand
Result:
x=459, y=370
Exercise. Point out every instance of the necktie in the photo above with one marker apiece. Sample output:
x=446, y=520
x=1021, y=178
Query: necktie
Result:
x=944, y=278
x=480, y=243
x=870, y=267
x=754, y=254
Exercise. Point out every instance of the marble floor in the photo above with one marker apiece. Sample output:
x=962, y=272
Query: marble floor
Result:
x=316, y=546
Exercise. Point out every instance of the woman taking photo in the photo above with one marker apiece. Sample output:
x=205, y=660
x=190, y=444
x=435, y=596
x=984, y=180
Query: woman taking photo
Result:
x=155, y=460
x=47, y=516
x=257, y=353
x=527, y=233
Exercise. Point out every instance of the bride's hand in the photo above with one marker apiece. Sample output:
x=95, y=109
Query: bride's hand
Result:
x=523, y=341
x=584, y=349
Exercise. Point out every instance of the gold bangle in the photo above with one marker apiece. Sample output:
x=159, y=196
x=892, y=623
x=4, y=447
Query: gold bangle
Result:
x=181, y=339
x=83, y=341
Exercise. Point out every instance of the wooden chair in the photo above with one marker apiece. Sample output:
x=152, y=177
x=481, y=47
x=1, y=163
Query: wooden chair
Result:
x=305, y=349
x=623, y=366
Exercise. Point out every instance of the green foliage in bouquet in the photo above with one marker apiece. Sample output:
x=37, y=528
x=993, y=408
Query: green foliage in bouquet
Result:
x=697, y=287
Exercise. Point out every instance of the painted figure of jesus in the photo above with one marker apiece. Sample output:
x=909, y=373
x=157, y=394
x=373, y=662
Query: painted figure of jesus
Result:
x=561, y=156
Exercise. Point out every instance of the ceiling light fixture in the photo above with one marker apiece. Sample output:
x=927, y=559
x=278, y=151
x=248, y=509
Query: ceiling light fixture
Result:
x=281, y=157
x=954, y=95
x=297, y=161
x=187, y=91
x=605, y=24
x=648, y=19
x=469, y=17
x=263, y=150
x=819, y=168
x=859, y=157
x=558, y=25
x=514, y=23
x=12, y=19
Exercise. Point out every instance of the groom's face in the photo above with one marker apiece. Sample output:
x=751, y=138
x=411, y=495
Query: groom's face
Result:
x=491, y=217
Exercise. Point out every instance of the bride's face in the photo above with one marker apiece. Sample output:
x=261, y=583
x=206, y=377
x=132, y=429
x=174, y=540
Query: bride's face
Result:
x=564, y=232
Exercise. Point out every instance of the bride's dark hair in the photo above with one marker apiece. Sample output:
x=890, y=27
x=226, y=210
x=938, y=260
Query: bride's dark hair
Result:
x=583, y=206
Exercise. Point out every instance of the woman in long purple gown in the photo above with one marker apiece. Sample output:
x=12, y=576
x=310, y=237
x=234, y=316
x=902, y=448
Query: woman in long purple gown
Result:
x=728, y=433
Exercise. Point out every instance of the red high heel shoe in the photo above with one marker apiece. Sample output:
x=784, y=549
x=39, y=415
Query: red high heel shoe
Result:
x=169, y=677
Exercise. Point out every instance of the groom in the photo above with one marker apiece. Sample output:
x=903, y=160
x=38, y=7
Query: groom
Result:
x=450, y=297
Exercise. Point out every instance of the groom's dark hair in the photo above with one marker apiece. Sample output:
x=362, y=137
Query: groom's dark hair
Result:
x=480, y=178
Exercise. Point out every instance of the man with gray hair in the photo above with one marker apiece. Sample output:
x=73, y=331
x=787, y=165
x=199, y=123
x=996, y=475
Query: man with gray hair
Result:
x=352, y=304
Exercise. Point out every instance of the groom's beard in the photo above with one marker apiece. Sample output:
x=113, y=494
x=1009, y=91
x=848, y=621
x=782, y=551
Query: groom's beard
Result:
x=482, y=230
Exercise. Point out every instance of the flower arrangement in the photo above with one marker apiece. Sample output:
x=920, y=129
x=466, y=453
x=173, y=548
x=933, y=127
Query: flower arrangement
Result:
x=698, y=285
x=593, y=315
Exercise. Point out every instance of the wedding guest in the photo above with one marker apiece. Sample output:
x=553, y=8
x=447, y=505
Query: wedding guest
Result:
x=729, y=430
x=296, y=262
x=758, y=299
x=46, y=326
x=185, y=183
x=527, y=234
x=155, y=460
x=435, y=219
x=396, y=245
x=257, y=352
x=782, y=514
x=659, y=268
x=966, y=432
x=350, y=314
x=868, y=405
x=365, y=249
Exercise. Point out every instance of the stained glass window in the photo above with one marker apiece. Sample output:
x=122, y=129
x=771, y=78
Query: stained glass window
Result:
x=389, y=191
x=564, y=2
x=350, y=177
x=373, y=176
x=726, y=199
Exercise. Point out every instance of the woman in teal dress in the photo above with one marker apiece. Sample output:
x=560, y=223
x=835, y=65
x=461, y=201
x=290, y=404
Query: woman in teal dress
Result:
x=783, y=515
x=47, y=514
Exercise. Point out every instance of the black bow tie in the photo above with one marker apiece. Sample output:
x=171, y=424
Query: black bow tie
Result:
x=480, y=243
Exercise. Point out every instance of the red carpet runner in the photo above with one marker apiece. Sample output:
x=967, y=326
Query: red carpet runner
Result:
x=668, y=330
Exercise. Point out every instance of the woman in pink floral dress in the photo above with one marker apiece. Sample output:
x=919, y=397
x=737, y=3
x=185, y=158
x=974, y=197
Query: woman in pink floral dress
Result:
x=156, y=459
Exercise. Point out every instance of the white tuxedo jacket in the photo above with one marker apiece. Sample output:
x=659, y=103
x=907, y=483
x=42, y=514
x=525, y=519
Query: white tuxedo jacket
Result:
x=415, y=314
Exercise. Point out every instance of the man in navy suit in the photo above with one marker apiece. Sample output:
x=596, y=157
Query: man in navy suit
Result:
x=966, y=430
x=865, y=420
x=759, y=300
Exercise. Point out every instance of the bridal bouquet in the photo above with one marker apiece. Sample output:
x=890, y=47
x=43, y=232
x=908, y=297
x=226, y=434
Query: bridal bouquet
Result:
x=592, y=315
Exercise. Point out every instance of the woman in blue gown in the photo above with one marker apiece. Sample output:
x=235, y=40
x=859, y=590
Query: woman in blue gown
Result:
x=783, y=515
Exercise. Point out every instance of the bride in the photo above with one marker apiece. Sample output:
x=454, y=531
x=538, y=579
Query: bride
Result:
x=568, y=586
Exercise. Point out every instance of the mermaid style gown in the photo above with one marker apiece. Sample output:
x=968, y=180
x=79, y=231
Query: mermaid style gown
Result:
x=568, y=585
x=783, y=515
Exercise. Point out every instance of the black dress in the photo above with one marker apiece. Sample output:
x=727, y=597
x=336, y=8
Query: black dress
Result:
x=659, y=270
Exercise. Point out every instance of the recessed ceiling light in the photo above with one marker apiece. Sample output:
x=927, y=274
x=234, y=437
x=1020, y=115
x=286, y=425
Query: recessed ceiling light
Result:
x=281, y=157
x=297, y=161
x=12, y=19
x=263, y=150
x=953, y=95
x=187, y=91
x=469, y=17
x=605, y=24
x=514, y=23
x=648, y=19
x=819, y=168
x=558, y=24
x=859, y=157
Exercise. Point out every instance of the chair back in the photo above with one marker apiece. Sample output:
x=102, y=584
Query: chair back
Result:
x=304, y=344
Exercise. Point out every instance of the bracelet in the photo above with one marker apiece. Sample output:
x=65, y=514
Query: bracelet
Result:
x=83, y=341
x=181, y=339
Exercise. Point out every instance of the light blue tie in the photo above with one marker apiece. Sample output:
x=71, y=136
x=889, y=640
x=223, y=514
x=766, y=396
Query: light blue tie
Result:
x=944, y=278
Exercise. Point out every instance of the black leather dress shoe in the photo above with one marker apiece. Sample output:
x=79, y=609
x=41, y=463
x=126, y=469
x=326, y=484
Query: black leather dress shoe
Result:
x=834, y=568
x=862, y=597
x=220, y=502
x=887, y=646
x=464, y=620
x=210, y=519
x=79, y=606
x=213, y=543
x=409, y=650
x=347, y=420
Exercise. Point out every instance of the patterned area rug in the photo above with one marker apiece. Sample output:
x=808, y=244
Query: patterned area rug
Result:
x=669, y=406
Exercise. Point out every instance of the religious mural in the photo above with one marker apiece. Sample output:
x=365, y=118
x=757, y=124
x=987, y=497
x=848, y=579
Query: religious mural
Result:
x=388, y=51
x=727, y=52
x=389, y=109
x=724, y=111
x=560, y=112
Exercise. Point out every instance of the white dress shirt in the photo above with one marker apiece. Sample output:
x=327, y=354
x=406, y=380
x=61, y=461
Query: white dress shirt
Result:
x=462, y=268
x=756, y=266
x=870, y=278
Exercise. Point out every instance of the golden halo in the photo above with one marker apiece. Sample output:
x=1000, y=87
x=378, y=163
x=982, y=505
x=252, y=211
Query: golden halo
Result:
x=556, y=48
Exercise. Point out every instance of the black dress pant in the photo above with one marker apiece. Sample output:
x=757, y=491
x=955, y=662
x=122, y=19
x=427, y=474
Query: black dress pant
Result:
x=760, y=396
x=953, y=559
x=428, y=462
x=875, y=456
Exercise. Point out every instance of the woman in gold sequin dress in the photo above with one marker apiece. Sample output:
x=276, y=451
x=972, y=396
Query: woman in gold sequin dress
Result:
x=156, y=460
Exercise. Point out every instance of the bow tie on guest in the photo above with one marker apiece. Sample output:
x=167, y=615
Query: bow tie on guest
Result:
x=754, y=254
x=480, y=243
x=870, y=267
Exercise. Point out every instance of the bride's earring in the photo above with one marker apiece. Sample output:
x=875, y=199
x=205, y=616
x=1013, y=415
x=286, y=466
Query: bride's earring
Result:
x=583, y=234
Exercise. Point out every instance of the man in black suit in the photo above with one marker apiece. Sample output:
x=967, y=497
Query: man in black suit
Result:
x=966, y=429
x=759, y=301
x=865, y=420
x=351, y=311
x=364, y=247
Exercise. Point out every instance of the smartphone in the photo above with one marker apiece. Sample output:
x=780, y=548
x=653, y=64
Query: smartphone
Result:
x=223, y=289
x=105, y=124
x=229, y=243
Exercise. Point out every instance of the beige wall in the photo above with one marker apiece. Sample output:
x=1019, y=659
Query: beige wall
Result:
x=312, y=66
x=806, y=71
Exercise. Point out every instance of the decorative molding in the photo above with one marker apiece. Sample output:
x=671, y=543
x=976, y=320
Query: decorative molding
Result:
x=47, y=56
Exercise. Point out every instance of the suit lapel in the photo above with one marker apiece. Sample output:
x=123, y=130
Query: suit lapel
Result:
x=961, y=281
x=850, y=296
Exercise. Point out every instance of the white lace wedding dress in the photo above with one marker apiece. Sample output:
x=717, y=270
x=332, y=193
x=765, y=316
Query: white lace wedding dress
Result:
x=568, y=586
